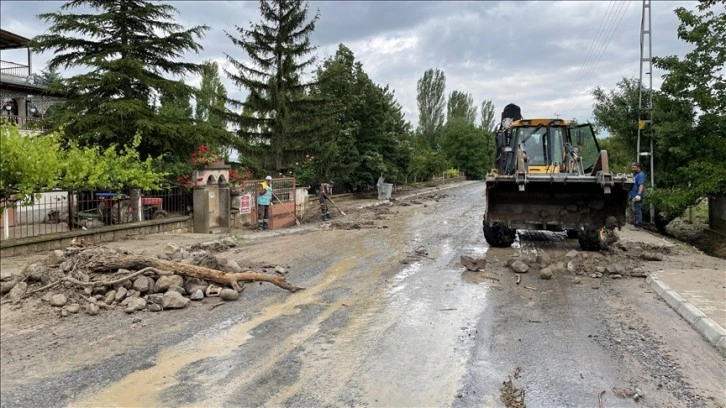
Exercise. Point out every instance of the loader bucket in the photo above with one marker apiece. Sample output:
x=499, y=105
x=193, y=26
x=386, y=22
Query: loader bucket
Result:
x=556, y=202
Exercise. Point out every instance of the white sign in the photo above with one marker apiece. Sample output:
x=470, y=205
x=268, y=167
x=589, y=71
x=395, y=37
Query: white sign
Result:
x=244, y=204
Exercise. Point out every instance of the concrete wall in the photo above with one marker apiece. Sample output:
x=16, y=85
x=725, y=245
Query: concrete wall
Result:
x=108, y=233
x=717, y=214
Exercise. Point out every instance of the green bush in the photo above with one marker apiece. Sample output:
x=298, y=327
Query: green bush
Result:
x=27, y=163
x=451, y=173
x=30, y=163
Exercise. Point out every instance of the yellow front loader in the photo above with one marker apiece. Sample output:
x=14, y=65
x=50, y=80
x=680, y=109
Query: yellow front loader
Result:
x=552, y=175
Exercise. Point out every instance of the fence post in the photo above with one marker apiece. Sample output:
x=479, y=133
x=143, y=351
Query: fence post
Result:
x=71, y=213
x=136, y=214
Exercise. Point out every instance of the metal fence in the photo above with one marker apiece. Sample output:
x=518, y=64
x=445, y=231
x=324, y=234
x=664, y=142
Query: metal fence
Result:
x=61, y=210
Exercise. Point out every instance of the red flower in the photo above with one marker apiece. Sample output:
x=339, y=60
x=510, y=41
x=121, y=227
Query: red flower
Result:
x=204, y=157
x=236, y=178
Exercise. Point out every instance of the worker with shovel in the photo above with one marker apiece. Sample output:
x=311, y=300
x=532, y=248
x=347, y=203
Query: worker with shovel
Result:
x=326, y=189
x=264, y=198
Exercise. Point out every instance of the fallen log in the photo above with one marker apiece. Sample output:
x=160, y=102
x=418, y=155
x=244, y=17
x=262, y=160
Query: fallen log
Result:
x=113, y=262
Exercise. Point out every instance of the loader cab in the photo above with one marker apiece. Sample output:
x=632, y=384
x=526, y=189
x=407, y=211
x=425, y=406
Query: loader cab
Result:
x=543, y=141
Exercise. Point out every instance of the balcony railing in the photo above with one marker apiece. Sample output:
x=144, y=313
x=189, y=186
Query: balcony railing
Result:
x=13, y=69
x=24, y=122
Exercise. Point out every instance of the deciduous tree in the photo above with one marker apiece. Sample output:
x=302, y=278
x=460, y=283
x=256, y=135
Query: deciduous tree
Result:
x=694, y=158
x=461, y=105
x=366, y=133
x=431, y=105
x=466, y=147
x=488, y=114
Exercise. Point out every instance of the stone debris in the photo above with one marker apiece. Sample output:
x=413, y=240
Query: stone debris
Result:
x=18, y=290
x=651, y=256
x=92, y=309
x=519, y=267
x=174, y=300
x=473, y=263
x=58, y=300
x=141, y=293
x=73, y=308
x=621, y=261
x=228, y=294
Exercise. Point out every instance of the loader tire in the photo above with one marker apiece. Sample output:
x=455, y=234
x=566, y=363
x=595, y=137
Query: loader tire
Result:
x=498, y=235
x=590, y=240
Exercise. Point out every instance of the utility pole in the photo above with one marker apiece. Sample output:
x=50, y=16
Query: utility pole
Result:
x=645, y=113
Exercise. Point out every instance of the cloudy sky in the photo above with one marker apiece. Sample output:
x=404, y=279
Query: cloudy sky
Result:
x=544, y=56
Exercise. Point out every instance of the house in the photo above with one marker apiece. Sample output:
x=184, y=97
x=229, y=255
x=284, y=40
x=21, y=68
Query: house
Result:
x=22, y=101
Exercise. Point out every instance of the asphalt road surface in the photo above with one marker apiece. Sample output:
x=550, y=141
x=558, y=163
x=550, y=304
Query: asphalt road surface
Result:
x=382, y=325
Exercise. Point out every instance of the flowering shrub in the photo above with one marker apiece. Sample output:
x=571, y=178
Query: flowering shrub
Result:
x=305, y=171
x=204, y=157
x=237, y=177
x=186, y=182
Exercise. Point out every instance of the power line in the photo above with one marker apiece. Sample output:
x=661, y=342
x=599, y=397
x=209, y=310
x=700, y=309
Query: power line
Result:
x=588, y=71
x=591, y=69
x=589, y=54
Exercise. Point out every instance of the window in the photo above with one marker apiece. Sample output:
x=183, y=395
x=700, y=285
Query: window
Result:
x=534, y=142
x=583, y=137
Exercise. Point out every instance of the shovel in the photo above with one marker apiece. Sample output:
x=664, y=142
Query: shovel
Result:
x=333, y=202
x=288, y=211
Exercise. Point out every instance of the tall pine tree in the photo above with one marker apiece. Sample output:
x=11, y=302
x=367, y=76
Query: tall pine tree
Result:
x=274, y=113
x=211, y=98
x=130, y=47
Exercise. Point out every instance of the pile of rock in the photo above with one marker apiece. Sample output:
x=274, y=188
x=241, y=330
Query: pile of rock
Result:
x=616, y=264
x=143, y=292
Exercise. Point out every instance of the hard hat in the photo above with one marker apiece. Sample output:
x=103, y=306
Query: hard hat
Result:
x=268, y=178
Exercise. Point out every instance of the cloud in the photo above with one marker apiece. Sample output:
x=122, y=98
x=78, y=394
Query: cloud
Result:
x=539, y=55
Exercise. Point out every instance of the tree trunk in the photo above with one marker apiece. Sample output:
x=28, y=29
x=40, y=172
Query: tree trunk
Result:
x=111, y=263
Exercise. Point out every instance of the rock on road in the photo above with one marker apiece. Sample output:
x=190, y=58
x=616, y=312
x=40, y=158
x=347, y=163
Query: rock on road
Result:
x=377, y=326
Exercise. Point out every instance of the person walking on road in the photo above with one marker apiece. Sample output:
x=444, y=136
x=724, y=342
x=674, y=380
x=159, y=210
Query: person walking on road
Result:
x=264, y=199
x=636, y=195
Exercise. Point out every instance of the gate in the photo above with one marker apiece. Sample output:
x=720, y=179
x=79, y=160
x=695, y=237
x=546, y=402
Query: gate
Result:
x=283, y=202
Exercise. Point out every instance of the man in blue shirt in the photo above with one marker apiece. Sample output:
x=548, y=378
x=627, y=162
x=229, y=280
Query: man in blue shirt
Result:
x=264, y=197
x=636, y=194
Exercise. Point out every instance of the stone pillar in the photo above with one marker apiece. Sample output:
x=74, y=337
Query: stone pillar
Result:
x=211, y=198
x=22, y=105
x=200, y=221
x=224, y=205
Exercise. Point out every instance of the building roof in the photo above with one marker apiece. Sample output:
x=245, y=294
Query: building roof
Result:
x=20, y=85
x=9, y=41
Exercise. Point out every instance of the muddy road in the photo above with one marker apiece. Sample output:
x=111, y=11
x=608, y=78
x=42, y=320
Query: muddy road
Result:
x=389, y=317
